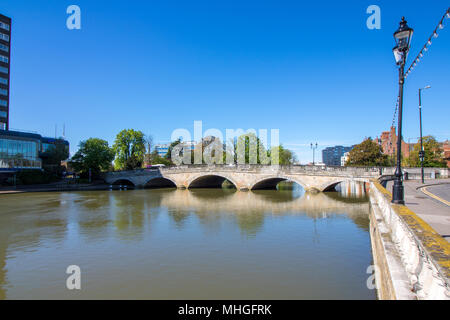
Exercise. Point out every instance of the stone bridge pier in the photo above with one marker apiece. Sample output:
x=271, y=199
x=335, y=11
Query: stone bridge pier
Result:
x=243, y=177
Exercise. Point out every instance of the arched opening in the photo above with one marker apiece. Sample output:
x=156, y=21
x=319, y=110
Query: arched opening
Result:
x=268, y=184
x=123, y=183
x=333, y=187
x=212, y=181
x=286, y=189
x=347, y=189
x=276, y=183
x=160, y=183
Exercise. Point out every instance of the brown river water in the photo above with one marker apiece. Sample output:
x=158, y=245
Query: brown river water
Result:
x=185, y=244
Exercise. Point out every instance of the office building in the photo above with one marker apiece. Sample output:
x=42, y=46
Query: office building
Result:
x=24, y=150
x=5, y=61
x=344, y=159
x=162, y=149
x=19, y=150
x=331, y=156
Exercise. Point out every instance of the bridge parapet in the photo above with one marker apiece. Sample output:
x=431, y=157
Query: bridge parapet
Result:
x=289, y=169
x=245, y=177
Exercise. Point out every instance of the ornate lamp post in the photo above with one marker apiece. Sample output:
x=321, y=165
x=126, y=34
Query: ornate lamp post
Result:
x=403, y=37
x=421, y=152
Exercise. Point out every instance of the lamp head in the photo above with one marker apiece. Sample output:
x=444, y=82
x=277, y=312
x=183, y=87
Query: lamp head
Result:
x=403, y=36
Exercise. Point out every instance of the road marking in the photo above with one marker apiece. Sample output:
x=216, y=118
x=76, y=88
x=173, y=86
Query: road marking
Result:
x=428, y=193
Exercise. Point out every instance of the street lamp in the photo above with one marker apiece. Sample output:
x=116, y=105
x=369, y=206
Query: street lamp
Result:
x=421, y=152
x=313, y=147
x=402, y=37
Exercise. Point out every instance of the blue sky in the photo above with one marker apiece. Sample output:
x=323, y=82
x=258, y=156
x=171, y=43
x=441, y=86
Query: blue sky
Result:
x=314, y=71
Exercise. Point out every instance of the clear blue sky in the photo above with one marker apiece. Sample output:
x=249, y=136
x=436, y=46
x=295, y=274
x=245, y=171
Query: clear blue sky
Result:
x=314, y=71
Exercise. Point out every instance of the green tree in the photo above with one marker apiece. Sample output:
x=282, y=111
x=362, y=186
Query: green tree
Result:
x=53, y=156
x=168, y=155
x=254, y=149
x=94, y=154
x=433, y=154
x=286, y=156
x=367, y=153
x=129, y=148
x=155, y=158
x=212, y=150
x=57, y=153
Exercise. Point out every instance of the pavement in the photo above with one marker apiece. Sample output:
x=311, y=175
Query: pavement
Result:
x=430, y=201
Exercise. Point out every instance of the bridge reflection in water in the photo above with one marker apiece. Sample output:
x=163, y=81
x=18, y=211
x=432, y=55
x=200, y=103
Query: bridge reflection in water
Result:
x=283, y=202
x=181, y=244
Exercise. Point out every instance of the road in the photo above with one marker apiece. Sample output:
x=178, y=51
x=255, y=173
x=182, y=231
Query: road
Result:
x=442, y=191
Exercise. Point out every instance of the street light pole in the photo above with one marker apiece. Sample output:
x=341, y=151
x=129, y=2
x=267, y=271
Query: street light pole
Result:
x=421, y=152
x=403, y=38
x=313, y=147
x=398, y=195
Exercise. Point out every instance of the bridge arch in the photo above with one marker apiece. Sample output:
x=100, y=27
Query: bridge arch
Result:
x=123, y=182
x=209, y=181
x=160, y=182
x=330, y=186
x=271, y=182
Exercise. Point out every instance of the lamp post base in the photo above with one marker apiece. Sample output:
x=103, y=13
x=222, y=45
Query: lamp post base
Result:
x=398, y=195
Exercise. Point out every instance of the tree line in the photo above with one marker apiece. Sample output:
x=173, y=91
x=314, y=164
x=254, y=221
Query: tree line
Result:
x=132, y=149
x=370, y=153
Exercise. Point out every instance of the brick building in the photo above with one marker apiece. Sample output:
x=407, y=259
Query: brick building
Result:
x=446, y=148
x=388, y=142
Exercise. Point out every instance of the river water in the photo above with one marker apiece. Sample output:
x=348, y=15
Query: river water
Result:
x=185, y=244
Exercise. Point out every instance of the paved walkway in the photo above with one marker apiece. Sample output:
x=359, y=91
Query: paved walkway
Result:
x=430, y=201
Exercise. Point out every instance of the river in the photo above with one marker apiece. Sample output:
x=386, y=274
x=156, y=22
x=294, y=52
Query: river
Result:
x=185, y=244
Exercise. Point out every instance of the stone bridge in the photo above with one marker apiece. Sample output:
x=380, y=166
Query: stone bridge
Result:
x=243, y=177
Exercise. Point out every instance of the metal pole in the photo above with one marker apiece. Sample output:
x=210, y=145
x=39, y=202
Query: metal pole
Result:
x=398, y=196
x=314, y=151
x=421, y=153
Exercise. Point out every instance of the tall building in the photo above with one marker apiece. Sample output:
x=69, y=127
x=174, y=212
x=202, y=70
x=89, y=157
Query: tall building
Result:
x=331, y=156
x=5, y=59
x=18, y=150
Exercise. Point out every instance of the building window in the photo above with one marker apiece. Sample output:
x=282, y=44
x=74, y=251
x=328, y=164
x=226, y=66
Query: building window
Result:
x=19, y=148
x=4, y=25
x=15, y=153
x=3, y=92
x=3, y=81
x=3, y=103
x=3, y=114
x=4, y=47
x=2, y=126
x=4, y=70
x=4, y=37
x=4, y=59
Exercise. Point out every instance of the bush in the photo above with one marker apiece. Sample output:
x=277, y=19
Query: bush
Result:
x=28, y=177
